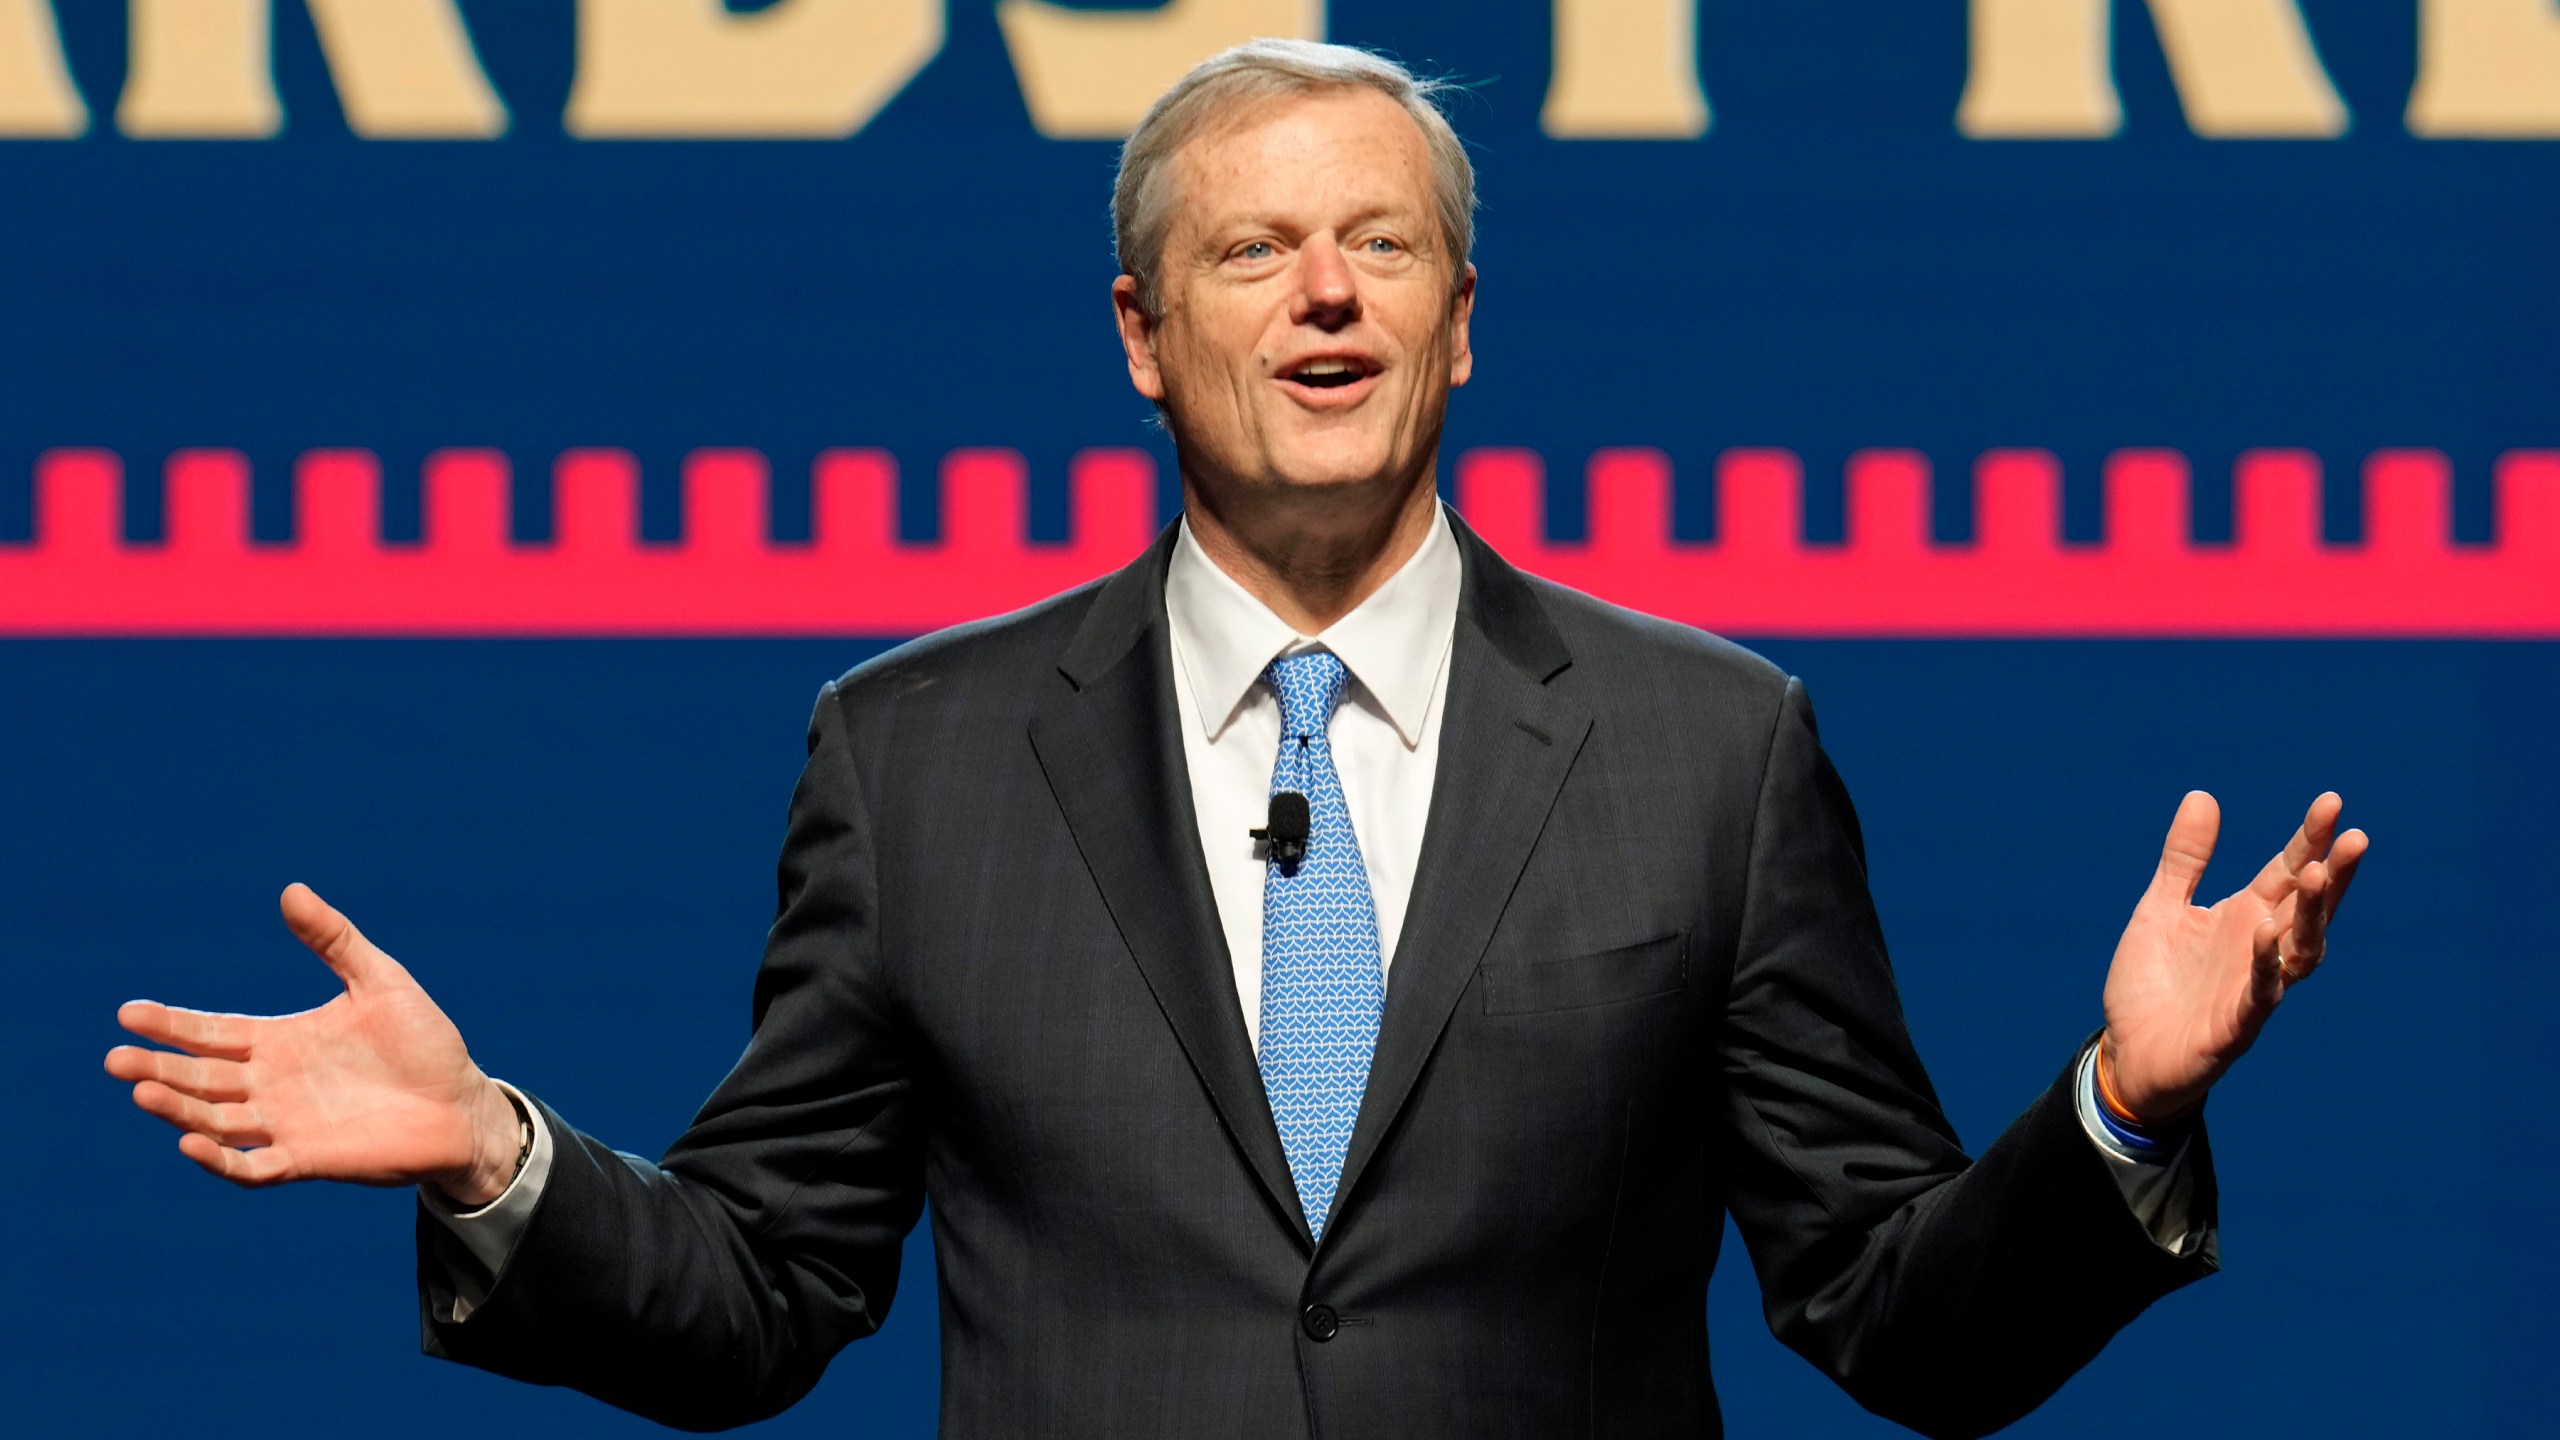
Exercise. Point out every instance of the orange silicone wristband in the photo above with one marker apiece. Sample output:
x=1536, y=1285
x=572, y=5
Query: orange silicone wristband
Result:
x=2115, y=1103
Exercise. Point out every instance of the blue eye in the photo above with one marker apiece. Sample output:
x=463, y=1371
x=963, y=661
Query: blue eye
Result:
x=1256, y=250
x=1381, y=245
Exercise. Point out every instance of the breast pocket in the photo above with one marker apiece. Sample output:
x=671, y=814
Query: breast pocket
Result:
x=1630, y=972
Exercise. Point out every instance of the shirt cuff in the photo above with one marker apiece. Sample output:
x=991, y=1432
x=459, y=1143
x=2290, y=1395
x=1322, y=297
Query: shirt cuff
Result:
x=2157, y=1185
x=490, y=1233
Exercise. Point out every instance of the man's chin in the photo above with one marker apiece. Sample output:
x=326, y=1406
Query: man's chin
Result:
x=1333, y=470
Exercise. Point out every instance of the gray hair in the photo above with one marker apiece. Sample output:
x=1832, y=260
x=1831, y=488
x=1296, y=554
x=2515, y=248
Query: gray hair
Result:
x=1237, y=78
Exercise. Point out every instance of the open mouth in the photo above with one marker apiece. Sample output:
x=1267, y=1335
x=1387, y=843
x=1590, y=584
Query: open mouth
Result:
x=1332, y=372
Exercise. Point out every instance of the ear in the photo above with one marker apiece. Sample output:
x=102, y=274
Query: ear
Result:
x=1137, y=338
x=1462, y=308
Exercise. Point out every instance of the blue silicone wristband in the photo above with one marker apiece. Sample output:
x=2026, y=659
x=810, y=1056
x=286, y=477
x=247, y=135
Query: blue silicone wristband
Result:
x=2133, y=1137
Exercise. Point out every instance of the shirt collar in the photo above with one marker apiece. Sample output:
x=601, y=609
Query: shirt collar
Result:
x=1393, y=643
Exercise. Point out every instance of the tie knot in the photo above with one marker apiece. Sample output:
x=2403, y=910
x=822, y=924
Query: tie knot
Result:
x=1309, y=685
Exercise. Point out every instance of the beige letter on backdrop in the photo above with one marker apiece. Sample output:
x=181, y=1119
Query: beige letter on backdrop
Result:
x=1625, y=69
x=812, y=69
x=199, y=68
x=404, y=70
x=2487, y=69
x=2040, y=68
x=2247, y=68
x=1089, y=74
x=2243, y=68
x=37, y=98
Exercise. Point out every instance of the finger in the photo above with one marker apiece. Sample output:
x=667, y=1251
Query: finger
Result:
x=2344, y=857
x=2310, y=841
x=230, y=1124
x=2266, y=966
x=332, y=936
x=2189, y=847
x=204, y=1079
x=266, y=1165
x=2306, y=927
x=198, y=1032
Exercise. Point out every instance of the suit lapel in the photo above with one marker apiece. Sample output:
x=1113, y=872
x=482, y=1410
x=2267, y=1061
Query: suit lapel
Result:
x=1506, y=744
x=1108, y=743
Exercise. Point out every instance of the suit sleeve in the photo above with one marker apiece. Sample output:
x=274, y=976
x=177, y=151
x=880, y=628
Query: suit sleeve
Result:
x=1950, y=1295
x=711, y=1288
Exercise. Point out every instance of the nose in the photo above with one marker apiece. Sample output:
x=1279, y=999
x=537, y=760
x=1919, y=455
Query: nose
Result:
x=1328, y=292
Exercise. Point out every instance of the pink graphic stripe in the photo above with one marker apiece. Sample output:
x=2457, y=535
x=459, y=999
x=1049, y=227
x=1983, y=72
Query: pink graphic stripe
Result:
x=1887, y=577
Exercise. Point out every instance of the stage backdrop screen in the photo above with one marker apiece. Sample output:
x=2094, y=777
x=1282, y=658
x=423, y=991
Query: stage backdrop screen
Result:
x=445, y=444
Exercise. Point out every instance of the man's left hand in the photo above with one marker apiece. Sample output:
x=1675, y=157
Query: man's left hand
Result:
x=2191, y=985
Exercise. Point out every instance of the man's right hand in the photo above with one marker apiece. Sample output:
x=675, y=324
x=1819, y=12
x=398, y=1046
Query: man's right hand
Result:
x=374, y=1087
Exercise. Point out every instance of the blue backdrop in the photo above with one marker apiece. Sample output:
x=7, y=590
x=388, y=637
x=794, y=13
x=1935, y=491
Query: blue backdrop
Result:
x=569, y=840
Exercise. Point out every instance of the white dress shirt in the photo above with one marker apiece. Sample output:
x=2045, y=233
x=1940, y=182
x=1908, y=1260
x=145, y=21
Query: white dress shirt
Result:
x=1386, y=744
x=1386, y=732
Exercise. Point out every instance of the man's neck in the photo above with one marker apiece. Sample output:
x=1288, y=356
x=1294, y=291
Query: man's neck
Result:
x=1311, y=569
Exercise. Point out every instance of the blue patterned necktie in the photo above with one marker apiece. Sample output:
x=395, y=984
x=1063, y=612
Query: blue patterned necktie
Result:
x=1323, y=987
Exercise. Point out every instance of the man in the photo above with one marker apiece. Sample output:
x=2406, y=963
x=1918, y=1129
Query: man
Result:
x=1326, y=982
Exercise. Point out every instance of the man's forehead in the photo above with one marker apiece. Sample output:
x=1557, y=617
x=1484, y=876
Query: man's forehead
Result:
x=1332, y=146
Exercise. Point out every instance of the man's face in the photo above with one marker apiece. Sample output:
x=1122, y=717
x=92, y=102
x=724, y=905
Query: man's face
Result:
x=1310, y=330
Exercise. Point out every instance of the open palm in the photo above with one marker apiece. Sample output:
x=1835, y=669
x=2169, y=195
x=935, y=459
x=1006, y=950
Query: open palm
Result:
x=374, y=1087
x=2192, y=985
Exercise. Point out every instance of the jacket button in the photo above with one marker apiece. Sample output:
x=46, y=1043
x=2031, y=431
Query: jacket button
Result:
x=1321, y=1323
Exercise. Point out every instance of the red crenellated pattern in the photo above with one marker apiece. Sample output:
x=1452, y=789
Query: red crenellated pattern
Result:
x=1758, y=577
x=2018, y=578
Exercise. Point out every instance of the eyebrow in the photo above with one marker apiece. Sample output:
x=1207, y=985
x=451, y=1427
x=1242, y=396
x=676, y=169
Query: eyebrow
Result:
x=1265, y=220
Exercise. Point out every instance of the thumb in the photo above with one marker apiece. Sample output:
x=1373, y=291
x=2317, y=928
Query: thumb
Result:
x=333, y=937
x=2188, y=849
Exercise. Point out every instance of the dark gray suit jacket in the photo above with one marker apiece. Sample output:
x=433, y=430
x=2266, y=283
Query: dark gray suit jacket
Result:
x=1640, y=984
